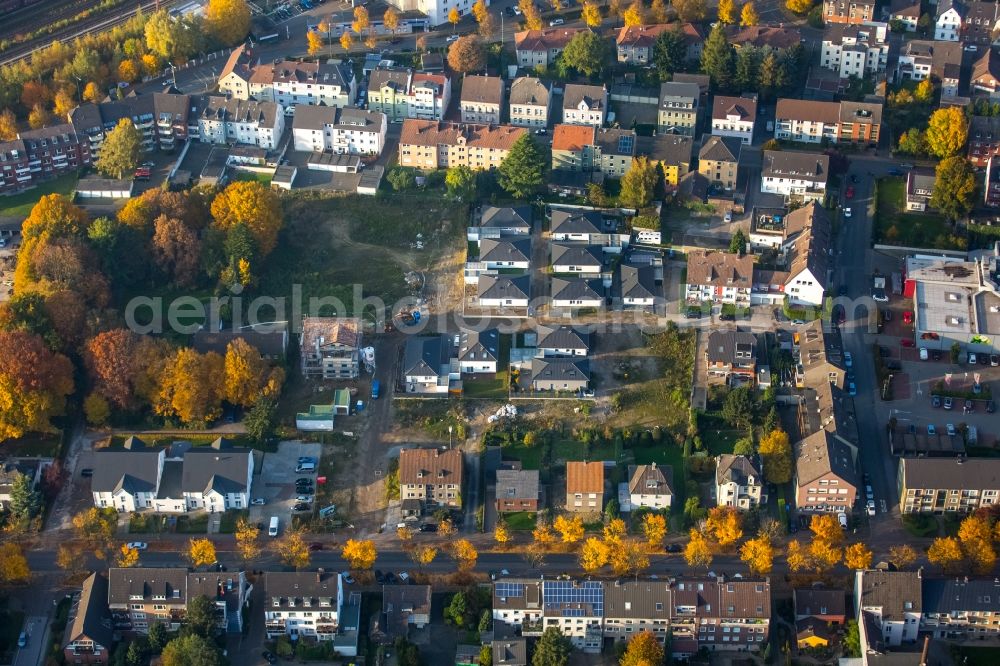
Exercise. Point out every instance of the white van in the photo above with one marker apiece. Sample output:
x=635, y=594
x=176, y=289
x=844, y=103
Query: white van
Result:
x=306, y=467
x=273, y=529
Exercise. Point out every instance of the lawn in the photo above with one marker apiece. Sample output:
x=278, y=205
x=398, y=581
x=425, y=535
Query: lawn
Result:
x=979, y=656
x=894, y=226
x=20, y=205
x=520, y=521
x=227, y=525
x=717, y=435
x=920, y=525
x=253, y=176
x=192, y=524
x=530, y=456
x=496, y=387
x=45, y=445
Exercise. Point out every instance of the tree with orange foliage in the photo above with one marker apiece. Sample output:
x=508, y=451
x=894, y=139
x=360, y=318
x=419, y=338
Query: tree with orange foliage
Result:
x=8, y=125
x=698, y=552
x=346, y=40
x=826, y=527
x=190, y=389
x=63, y=104
x=465, y=554
x=823, y=555
x=360, y=554
x=531, y=17
x=858, y=556
x=594, y=554
x=570, y=528
x=314, y=42
x=725, y=524
x=109, y=359
x=34, y=384
x=176, y=250
x=128, y=71
x=654, y=528
x=247, y=376
x=945, y=552
x=253, y=204
x=643, y=649
x=35, y=93
x=797, y=556
x=635, y=15
x=543, y=535
x=467, y=54
x=92, y=93
x=39, y=117
x=758, y=553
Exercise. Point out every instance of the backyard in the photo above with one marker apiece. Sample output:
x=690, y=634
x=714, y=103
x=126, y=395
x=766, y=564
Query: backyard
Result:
x=492, y=387
x=894, y=226
x=19, y=205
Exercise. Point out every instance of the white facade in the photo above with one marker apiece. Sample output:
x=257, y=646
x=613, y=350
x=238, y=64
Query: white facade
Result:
x=948, y=26
x=307, y=615
x=253, y=133
x=343, y=137
x=733, y=125
x=293, y=93
x=428, y=99
x=804, y=289
x=577, y=302
x=859, y=54
x=436, y=10
x=504, y=302
x=788, y=186
x=805, y=131
x=583, y=114
x=655, y=501
x=724, y=294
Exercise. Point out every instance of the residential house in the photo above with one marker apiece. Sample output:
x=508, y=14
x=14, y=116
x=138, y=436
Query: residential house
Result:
x=517, y=490
x=340, y=131
x=89, y=632
x=163, y=120
x=517, y=605
x=430, y=478
x=402, y=606
x=635, y=43
x=429, y=96
x=638, y=286
x=738, y=482
x=920, y=59
x=817, y=366
x=584, y=486
x=984, y=139
x=540, y=48
x=970, y=22
x=41, y=154
x=302, y=604
x=671, y=151
x=768, y=228
x=429, y=365
x=734, y=117
x=634, y=606
x=718, y=277
x=127, y=479
x=577, y=259
x=573, y=148
x=584, y=105
x=847, y=11
x=807, y=255
x=560, y=374
x=503, y=291
x=234, y=77
x=499, y=222
x=806, y=121
x=986, y=74
x=215, y=478
x=511, y=651
x=505, y=253
x=860, y=123
x=586, y=226
x=888, y=606
x=732, y=354
x=429, y=144
x=388, y=92
x=575, y=607
x=957, y=609
x=271, y=340
x=919, y=188
x=530, y=102
x=991, y=187
x=226, y=121
x=905, y=11
x=13, y=468
x=228, y=592
x=737, y=609
x=482, y=99
x=330, y=348
x=719, y=160
x=478, y=351
x=649, y=486
x=947, y=485
x=613, y=151
x=793, y=173
x=824, y=605
x=759, y=36
x=677, y=112
x=294, y=83
x=825, y=477
x=855, y=51
x=577, y=293
x=948, y=20
x=562, y=341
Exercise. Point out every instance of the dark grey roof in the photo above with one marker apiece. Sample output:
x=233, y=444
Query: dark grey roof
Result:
x=948, y=473
x=529, y=91
x=218, y=467
x=399, y=602
x=395, y=78
x=577, y=289
x=802, y=166
x=821, y=453
x=895, y=592
x=560, y=369
x=491, y=249
x=503, y=286
x=171, y=480
x=135, y=471
x=518, y=217
x=638, y=281
x=638, y=599
x=298, y=586
x=563, y=337
x=223, y=109
x=576, y=221
x=477, y=344
x=166, y=585
x=510, y=652
x=819, y=601
x=425, y=355
x=650, y=479
x=721, y=149
x=594, y=96
x=671, y=149
x=615, y=141
x=945, y=595
x=517, y=484
x=576, y=255
x=89, y=615
x=725, y=346
x=736, y=469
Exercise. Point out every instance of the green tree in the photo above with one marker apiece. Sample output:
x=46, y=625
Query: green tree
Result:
x=262, y=419
x=954, y=187
x=772, y=76
x=739, y=408
x=158, y=637
x=743, y=447
x=947, y=131
x=486, y=655
x=461, y=182
x=120, y=151
x=523, y=172
x=457, y=611
x=199, y=618
x=747, y=67
x=639, y=183
x=25, y=501
x=717, y=58
x=852, y=639
x=552, y=649
x=190, y=650
x=669, y=53
x=135, y=656
x=169, y=37
x=402, y=178
x=583, y=54
x=738, y=243
x=912, y=142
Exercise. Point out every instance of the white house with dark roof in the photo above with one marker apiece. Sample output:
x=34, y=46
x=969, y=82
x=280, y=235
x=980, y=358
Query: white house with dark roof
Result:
x=788, y=173
x=562, y=341
x=302, y=604
x=478, y=351
x=500, y=222
x=588, y=227
x=584, y=105
x=503, y=291
x=505, y=253
x=649, y=486
x=340, y=131
x=530, y=102
x=577, y=293
x=638, y=286
x=572, y=258
x=559, y=374
x=221, y=121
x=734, y=117
x=888, y=605
x=738, y=482
x=427, y=365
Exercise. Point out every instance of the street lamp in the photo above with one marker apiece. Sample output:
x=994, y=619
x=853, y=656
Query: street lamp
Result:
x=450, y=428
x=79, y=88
x=173, y=72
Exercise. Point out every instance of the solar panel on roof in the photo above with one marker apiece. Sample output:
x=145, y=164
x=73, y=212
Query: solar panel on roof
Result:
x=625, y=144
x=510, y=589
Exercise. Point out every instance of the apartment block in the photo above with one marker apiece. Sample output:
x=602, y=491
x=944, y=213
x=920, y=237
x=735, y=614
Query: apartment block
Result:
x=677, y=112
x=855, y=51
x=302, y=604
x=947, y=485
x=825, y=475
x=530, y=102
x=339, y=131
x=791, y=173
x=584, y=105
x=734, y=117
x=428, y=144
x=540, y=48
x=429, y=478
x=845, y=11
x=718, y=277
x=330, y=348
x=585, y=486
x=482, y=99
x=39, y=155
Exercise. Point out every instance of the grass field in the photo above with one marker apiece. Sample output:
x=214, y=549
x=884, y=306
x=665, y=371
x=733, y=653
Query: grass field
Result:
x=894, y=226
x=45, y=445
x=521, y=521
x=530, y=456
x=253, y=176
x=19, y=205
x=979, y=656
x=166, y=440
x=495, y=387
x=227, y=525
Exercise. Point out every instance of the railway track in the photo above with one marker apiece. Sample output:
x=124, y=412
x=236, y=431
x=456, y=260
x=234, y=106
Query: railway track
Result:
x=95, y=24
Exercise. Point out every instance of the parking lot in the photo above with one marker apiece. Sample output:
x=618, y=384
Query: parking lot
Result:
x=278, y=490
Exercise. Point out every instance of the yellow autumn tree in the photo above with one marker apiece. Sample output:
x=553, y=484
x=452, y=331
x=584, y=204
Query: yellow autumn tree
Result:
x=92, y=92
x=454, y=17
x=902, y=556
x=858, y=556
x=190, y=387
x=615, y=531
x=254, y=205
x=748, y=15
x=591, y=14
x=479, y=11
x=201, y=552
x=543, y=535
x=501, y=534
x=725, y=524
x=127, y=557
x=293, y=550
x=423, y=555
x=635, y=15
x=800, y=7
x=13, y=564
x=446, y=528
x=359, y=554
x=945, y=552
x=797, y=556
x=247, y=540
x=823, y=555
x=247, y=375
x=593, y=554
x=405, y=534
x=826, y=527
x=727, y=11
x=390, y=19
x=698, y=552
x=465, y=554
x=228, y=20
x=627, y=557
x=314, y=42
x=654, y=528
x=758, y=553
x=346, y=41
x=570, y=528
x=531, y=16
x=643, y=649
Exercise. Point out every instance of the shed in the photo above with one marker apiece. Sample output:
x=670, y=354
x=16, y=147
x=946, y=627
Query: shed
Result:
x=104, y=188
x=370, y=180
x=284, y=177
x=341, y=163
x=319, y=418
x=342, y=401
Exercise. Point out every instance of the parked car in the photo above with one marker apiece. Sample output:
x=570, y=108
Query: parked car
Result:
x=948, y=402
x=924, y=354
x=950, y=429
x=22, y=640
x=847, y=212
x=729, y=216
x=935, y=401
x=972, y=358
x=931, y=430
x=301, y=506
x=452, y=38
x=936, y=355
x=675, y=548
x=259, y=501
x=379, y=577
x=852, y=388
x=991, y=407
x=854, y=178
x=969, y=407
x=848, y=359
x=842, y=519
x=315, y=545
x=994, y=360
x=886, y=315
x=907, y=342
x=428, y=527
x=269, y=657
x=554, y=22
x=138, y=545
x=850, y=191
x=347, y=577
x=304, y=499
x=870, y=507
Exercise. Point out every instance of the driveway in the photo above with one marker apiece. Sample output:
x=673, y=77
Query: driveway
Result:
x=276, y=481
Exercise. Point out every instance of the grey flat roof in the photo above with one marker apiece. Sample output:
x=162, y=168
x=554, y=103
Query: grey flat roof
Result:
x=945, y=308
